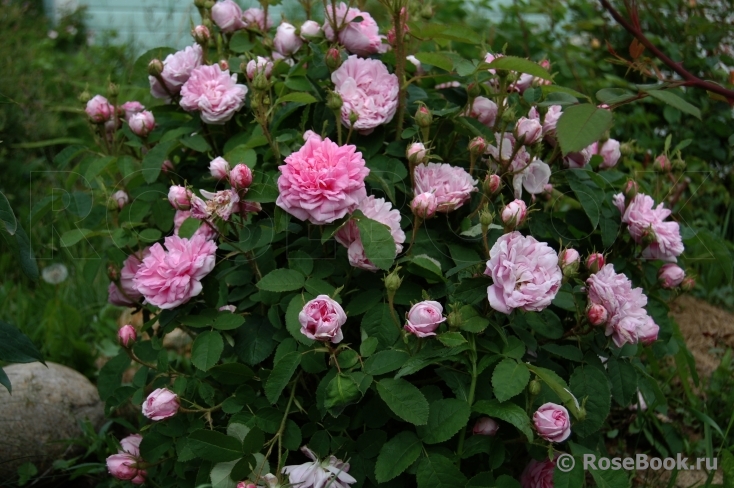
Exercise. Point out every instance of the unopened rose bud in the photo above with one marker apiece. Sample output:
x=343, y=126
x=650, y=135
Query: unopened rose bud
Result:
x=416, y=153
x=477, y=146
x=142, y=123
x=155, y=67
x=333, y=59
x=529, y=131
x=671, y=275
x=424, y=205
x=514, y=213
x=393, y=281
x=120, y=198
x=662, y=164
x=260, y=82
x=219, y=168
x=423, y=117
x=649, y=237
x=454, y=318
x=473, y=90
x=630, y=190
x=678, y=164
x=486, y=218
x=99, y=109
x=223, y=64
x=126, y=335
x=310, y=30
x=595, y=262
x=427, y=12
x=597, y=314
x=688, y=283
x=179, y=197
x=240, y=177
x=570, y=260
x=485, y=426
x=201, y=34
x=534, y=387
x=161, y=404
x=85, y=96
x=167, y=166
x=112, y=272
x=246, y=484
x=334, y=101
x=353, y=117
x=492, y=185
x=113, y=90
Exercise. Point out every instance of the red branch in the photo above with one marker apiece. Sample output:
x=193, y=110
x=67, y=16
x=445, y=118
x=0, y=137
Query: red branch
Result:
x=636, y=31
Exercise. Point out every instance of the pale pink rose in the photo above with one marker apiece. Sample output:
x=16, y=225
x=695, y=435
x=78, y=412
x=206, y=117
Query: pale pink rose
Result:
x=485, y=426
x=126, y=335
x=551, y=119
x=451, y=185
x=533, y=177
x=533, y=113
x=578, y=159
x=368, y=90
x=205, y=230
x=286, y=41
x=179, y=197
x=309, y=134
x=255, y=19
x=609, y=151
x=121, y=198
x=310, y=30
x=484, y=110
x=172, y=276
x=322, y=181
x=514, y=214
x=416, y=152
x=670, y=275
x=597, y=314
x=424, y=205
x=219, y=168
x=99, y=109
x=240, y=177
x=213, y=92
x=220, y=204
x=161, y=404
x=362, y=38
x=132, y=108
x=126, y=293
x=538, y=474
x=124, y=466
x=321, y=319
x=318, y=474
x=131, y=444
x=424, y=318
x=648, y=332
x=228, y=16
x=177, y=68
x=626, y=316
x=530, y=129
x=376, y=209
x=619, y=201
x=259, y=65
x=525, y=273
x=552, y=422
x=645, y=222
x=142, y=123
x=503, y=150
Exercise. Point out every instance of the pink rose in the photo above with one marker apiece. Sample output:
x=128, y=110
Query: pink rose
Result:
x=424, y=318
x=220, y=204
x=240, y=177
x=484, y=110
x=309, y=134
x=530, y=129
x=597, y=314
x=570, y=257
x=310, y=30
x=368, y=90
x=177, y=68
x=533, y=177
x=538, y=474
x=451, y=185
x=376, y=209
x=124, y=466
x=485, y=426
x=514, y=213
x=424, y=205
x=594, y=262
x=121, y=198
x=286, y=41
x=619, y=201
x=647, y=333
x=179, y=197
x=219, y=168
x=525, y=273
x=215, y=93
x=132, y=108
x=259, y=65
x=362, y=38
x=551, y=119
x=322, y=181
x=645, y=222
x=493, y=184
x=255, y=19
x=318, y=474
x=161, y=404
x=228, y=16
x=205, y=230
x=99, y=109
x=142, y=123
x=609, y=151
x=172, y=276
x=126, y=294
x=416, y=153
x=126, y=335
x=131, y=444
x=671, y=275
x=552, y=422
x=322, y=319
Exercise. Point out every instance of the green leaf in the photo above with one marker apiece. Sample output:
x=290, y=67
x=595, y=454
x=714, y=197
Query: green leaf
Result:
x=405, y=400
x=587, y=193
x=565, y=90
x=300, y=261
x=228, y=321
x=300, y=97
x=571, y=353
x=397, y=455
x=559, y=387
x=591, y=384
x=189, y=227
x=436, y=59
x=623, y=377
x=509, y=412
x=379, y=246
x=509, y=379
x=97, y=166
x=154, y=445
x=26, y=471
x=214, y=446
x=231, y=373
x=240, y=42
x=572, y=478
x=612, y=96
x=521, y=65
x=254, y=340
x=427, y=267
x=580, y=125
x=385, y=362
x=7, y=216
x=436, y=471
x=153, y=160
x=281, y=375
x=545, y=323
x=445, y=419
x=727, y=462
x=341, y=391
x=282, y=279
x=71, y=237
x=451, y=339
x=207, y=350
x=16, y=347
x=675, y=101
x=378, y=323
x=291, y=319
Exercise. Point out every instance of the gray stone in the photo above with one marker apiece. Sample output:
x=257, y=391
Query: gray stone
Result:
x=46, y=408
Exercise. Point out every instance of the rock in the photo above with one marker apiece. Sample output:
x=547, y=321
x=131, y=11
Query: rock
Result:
x=47, y=406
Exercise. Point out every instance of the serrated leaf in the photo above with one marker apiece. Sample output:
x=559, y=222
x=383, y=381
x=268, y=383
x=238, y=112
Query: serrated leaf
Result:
x=214, y=446
x=590, y=383
x=254, y=340
x=397, y=455
x=675, y=101
x=545, y=323
x=71, y=237
x=16, y=347
x=379, y=245
x=291, y=319
x=154, y=158
x=405, y=400
x=446, y=418
x=385, y=362
x=521, y=65
x=154, y=445
x=436, y=59
x=509, y=379
x=341, y=391
x=300, y=97
x=207, y=350
x=228, y=321
x=436, y=471
x=451, y=339
x=623, y=378
x=559, y=387
x=282, y=279
x=189, y=227
x=509, y=412
x=281, y=375
x=580, y=125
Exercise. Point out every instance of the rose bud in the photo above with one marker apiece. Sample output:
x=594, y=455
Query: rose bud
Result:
x=529, y=131
x=257, y=65
x=179, y=197
x=321, y=319
x=670, y=275
x=569, y=260
x=161, y=404
x=534, y=387
x=552, y=422
x=99, y=109
x=240, y=177
x=201, y=34
x=123, y=466
x=126, y=335
x=416, y=153
x=688, y=283
x=121, y=198
x=167, y=166
x=286, y=40
x=630, y=190
x=662, y=164
x=424, y=318
x=245, y=484
x=130, y=108
x=142, y=123
x=333, y=59
x=223, y=64
x=423, y=117
x=597, y=314
x=310, y=30
x=514, y=213
x=393, y=281
x=492, y=184
x=477, y=146
x=228, y=16
x=219, y=168
x=485, y=426
x=595, y=262
x=424, y=205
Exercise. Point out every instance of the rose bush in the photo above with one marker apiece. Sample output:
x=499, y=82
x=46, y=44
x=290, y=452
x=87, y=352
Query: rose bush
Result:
x=376, y=294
